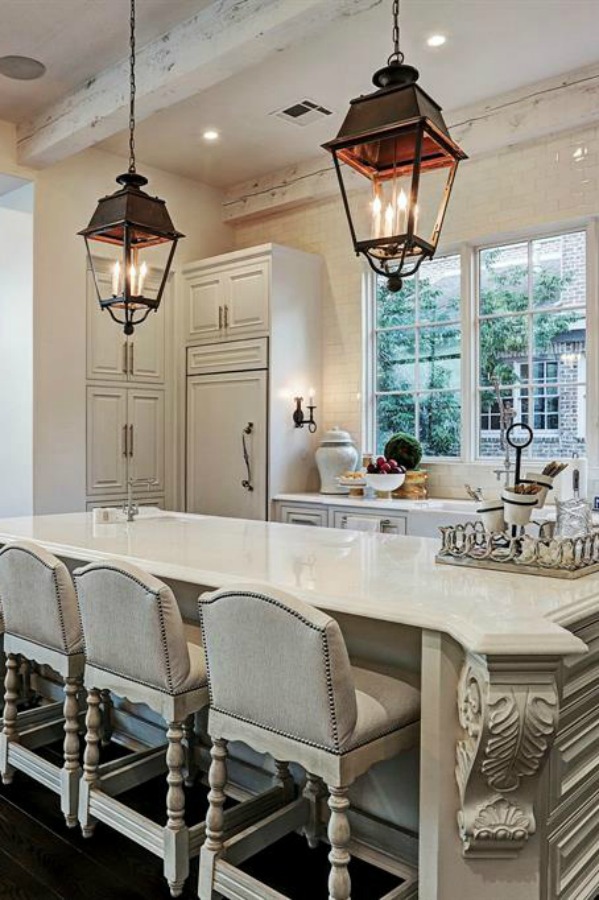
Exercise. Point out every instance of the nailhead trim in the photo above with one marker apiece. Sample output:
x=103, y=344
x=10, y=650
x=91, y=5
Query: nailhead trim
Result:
x=333, y=724
x=58, y=595
x=147, y=684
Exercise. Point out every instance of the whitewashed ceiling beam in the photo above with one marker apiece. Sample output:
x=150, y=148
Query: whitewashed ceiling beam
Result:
x=565, y=103
x=222, y=40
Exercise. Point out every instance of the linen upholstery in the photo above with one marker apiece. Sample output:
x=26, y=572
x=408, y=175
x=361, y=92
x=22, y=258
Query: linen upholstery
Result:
x=280, y=664
x=384, y=704
x=133, y=627
x=38, y=598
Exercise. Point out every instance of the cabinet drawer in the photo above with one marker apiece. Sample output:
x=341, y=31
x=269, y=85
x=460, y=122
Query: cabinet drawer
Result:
x=387, y=524
x=304, y=515
x=112, y=502
x=231, y=356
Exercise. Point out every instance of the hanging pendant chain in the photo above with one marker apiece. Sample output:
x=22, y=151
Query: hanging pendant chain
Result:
x=397, y=56
x=132, y=87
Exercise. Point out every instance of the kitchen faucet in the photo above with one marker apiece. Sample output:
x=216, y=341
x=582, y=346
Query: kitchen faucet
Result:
x=131, y=508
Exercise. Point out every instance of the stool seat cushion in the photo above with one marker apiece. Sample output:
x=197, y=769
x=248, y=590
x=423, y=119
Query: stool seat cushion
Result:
x=197, y=668
x=384, y=705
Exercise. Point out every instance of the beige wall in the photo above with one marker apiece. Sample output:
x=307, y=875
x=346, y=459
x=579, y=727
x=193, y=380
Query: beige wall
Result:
x=66, y=195
x=522, y=188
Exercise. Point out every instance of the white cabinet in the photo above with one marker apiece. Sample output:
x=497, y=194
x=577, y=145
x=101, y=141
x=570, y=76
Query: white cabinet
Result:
x=107, y=440
x=226, y=301
x=125, y=438
x=252, y=339
x=113, y=357
x=227, y=444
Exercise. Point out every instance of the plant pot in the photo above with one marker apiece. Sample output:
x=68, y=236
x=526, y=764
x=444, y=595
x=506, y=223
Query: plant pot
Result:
x=414, y=487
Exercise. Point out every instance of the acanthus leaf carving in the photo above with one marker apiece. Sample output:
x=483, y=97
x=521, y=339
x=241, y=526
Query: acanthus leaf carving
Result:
x=509, y=719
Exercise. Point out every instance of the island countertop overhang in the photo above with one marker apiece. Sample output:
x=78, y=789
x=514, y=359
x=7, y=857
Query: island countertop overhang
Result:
x=382, y=577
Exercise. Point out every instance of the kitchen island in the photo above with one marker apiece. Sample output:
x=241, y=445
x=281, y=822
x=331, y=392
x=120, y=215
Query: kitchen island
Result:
x=508, y=799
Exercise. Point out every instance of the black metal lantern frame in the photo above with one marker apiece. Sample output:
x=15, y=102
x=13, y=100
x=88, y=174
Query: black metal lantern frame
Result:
x=135, y=222
x=396, y=138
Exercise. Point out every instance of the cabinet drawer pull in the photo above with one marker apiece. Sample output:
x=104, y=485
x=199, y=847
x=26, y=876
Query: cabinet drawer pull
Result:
x=125, y=444
x=220, y=318
x=124, y=366
x=130, y=440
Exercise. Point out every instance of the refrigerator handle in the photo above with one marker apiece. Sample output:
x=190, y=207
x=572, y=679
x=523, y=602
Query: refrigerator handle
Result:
x=247, y=482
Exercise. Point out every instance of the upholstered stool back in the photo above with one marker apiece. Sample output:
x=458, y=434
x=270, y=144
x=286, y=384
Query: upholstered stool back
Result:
x=132, y=626
x=280, y=664
x=38, y=598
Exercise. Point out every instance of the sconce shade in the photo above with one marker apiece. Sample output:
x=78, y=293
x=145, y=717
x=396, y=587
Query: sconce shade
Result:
x=396, y=137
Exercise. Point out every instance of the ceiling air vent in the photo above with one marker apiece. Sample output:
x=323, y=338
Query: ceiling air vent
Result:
x=304, y=112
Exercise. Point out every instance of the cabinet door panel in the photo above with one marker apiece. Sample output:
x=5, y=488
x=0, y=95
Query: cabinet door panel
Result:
x=106, y=440
x=146, y=436
x=146, y=349
x=106, y=343
x=247, y=296
x=204, y=302
x=219, y=408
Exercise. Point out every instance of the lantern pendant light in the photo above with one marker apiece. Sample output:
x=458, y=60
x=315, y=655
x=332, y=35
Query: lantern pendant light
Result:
x=397, y=139
x=134, y=222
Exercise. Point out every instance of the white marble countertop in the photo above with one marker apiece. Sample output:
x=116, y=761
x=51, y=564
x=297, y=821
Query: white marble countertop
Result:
x=433, y=504
x=381, y=577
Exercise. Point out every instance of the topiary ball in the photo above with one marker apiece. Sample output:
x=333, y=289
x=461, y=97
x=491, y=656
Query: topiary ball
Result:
x=405, y=449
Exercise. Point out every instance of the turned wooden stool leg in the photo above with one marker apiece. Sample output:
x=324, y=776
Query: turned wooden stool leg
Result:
x=25, y=674
x=9, y=729
x=91, y=760
x=284, y=779
x=313, y=792
x=339, y=837
x=106, y=718
x=71, y=771
x=176, y=835
x=189, y=735
x=215, y=820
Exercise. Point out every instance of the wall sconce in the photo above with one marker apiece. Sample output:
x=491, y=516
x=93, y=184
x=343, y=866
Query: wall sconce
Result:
x=299, y=416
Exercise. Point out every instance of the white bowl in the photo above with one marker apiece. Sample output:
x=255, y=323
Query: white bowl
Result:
x=385, y=483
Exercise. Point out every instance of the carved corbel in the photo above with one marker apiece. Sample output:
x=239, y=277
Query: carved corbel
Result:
x=508, y=712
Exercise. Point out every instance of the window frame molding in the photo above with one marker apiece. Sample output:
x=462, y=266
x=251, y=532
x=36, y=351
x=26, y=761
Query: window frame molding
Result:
x=470, y=282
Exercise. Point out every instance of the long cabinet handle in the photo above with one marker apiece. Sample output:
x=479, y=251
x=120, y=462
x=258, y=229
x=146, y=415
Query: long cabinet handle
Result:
x=226, y=316
x=130, y=440
x=124, y=366
x=131, y=364
x=220, y=318
x=125, y=442
x=247, y=482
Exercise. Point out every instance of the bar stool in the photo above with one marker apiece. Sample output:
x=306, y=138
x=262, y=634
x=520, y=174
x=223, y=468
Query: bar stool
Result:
x=281, y=682
x=136, y=649
x=41, y=623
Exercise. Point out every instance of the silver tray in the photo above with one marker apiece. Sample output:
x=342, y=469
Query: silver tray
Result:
x=470, y=545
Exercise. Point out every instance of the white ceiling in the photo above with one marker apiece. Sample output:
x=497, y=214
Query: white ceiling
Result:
x=75, y=39
x=492, y=47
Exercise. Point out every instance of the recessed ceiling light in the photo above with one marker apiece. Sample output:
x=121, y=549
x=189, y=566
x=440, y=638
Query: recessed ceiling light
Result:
x=436, y=40
x=21, y=68
x=211, y=134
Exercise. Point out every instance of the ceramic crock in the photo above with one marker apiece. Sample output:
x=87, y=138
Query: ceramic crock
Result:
x=336, y=455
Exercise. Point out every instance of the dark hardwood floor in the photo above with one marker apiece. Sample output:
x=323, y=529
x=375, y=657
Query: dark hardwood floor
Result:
x=40, y=859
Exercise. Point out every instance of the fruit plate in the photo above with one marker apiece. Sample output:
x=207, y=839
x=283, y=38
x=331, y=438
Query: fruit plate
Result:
x=385, y=483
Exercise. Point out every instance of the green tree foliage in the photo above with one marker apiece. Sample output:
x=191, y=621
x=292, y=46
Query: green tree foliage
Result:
x=504, y=290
